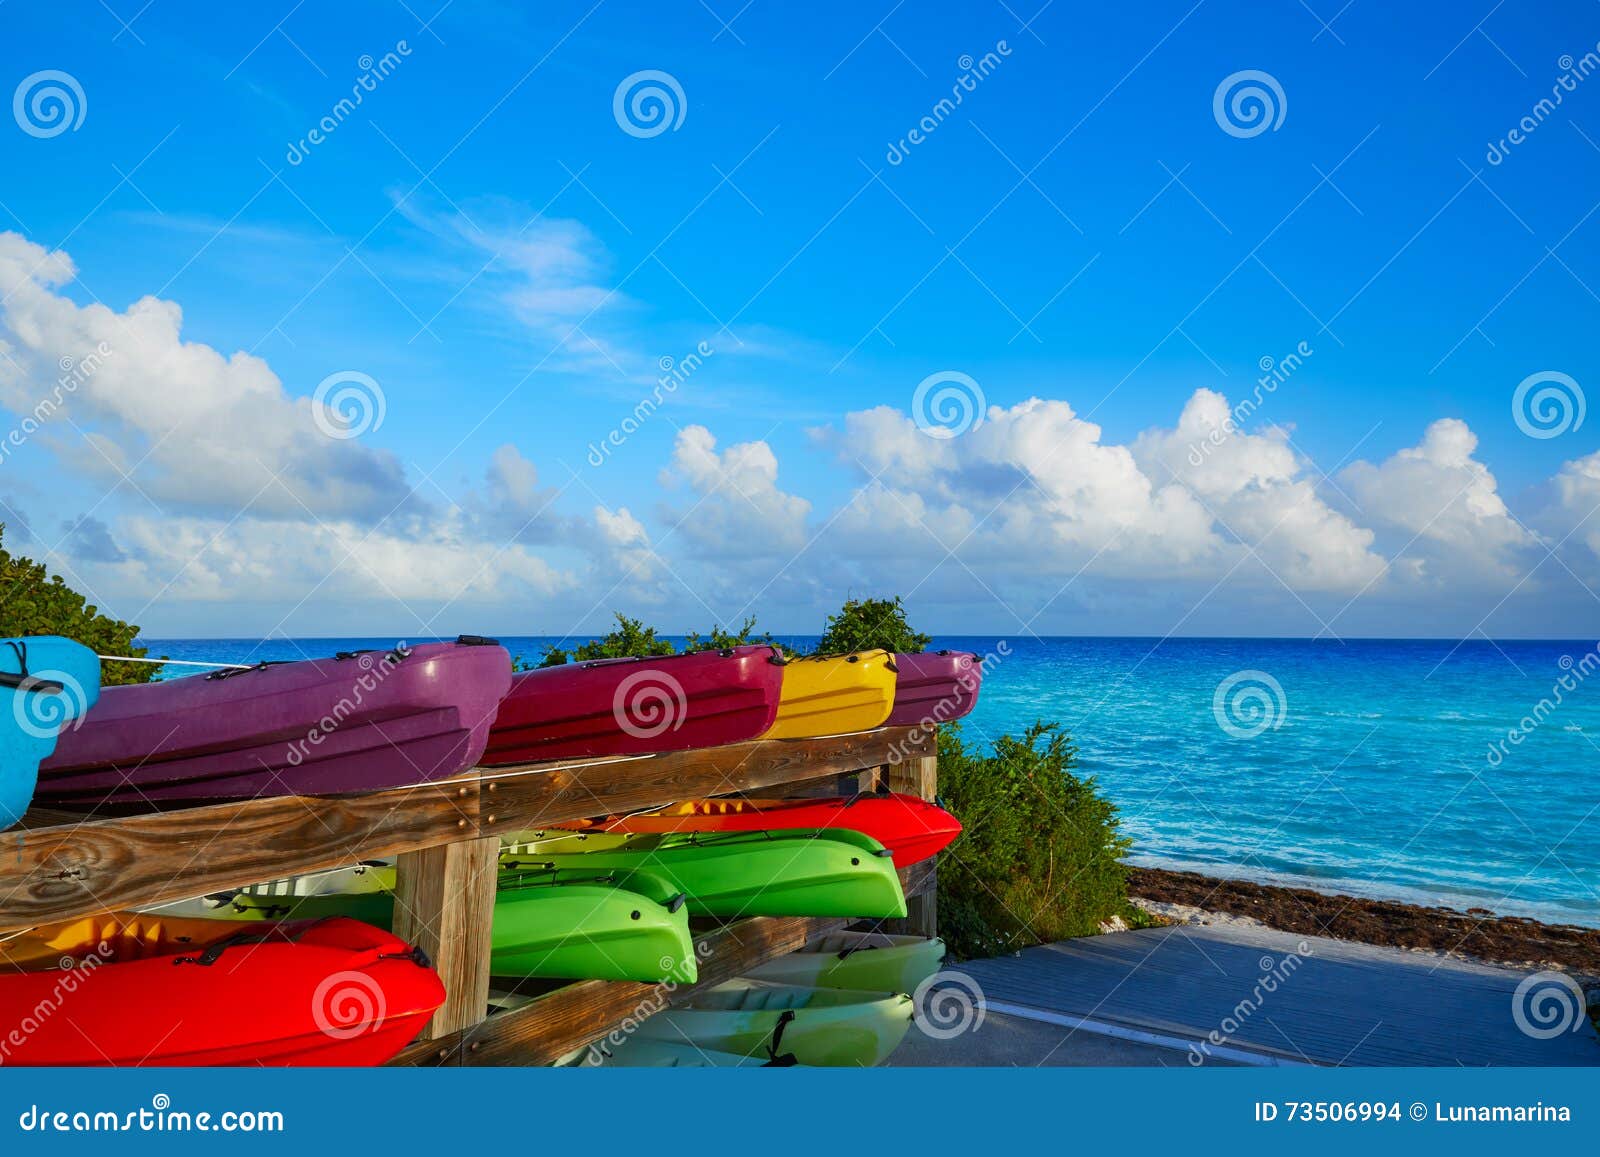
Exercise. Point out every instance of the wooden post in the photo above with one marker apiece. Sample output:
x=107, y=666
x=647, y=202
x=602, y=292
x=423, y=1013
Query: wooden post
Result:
x=918, y=776
x=444, y=904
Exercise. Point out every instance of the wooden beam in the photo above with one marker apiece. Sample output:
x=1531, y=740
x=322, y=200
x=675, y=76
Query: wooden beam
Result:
x=444, y=905
x=100, y=865
x=55, y=870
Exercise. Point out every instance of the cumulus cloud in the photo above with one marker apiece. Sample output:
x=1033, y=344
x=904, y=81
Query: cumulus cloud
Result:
x=1448, y=502
x=739, y=511
x=205, y=433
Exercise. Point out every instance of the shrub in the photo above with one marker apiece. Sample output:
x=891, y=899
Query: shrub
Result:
x=631, y=637
x=1040, y=855
x=863, y=624
x=35, y=602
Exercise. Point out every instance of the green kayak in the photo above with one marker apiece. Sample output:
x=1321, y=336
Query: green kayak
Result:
x=566, y=925
x=798, y=872
x=816, y=1026
x=866, y=961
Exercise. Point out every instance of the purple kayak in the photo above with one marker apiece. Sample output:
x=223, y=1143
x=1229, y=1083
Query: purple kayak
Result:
x=359, y=721
x=934, y=687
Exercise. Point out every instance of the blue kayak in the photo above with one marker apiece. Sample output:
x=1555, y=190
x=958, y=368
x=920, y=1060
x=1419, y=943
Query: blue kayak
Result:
x=46, y=682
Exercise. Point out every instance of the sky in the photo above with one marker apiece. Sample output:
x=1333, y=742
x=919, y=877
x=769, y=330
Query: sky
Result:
x=1178, y=318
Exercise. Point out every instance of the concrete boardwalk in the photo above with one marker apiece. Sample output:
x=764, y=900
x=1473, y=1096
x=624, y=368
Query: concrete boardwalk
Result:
x=1161, y=990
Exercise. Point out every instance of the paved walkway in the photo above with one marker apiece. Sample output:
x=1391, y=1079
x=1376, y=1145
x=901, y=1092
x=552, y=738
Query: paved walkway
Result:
x=1155, y=996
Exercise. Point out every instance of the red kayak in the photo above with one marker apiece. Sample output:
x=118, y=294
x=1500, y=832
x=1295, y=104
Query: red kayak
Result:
x=913, y=829
x=934, y=687
x=360, y=721
x=145, y=990
x=637, y=706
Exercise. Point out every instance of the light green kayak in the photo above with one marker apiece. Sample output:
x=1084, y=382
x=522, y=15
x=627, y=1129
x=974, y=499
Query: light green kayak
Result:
x=797, y=872
x=565, y=926
x=865, y=961
x=816, y=1026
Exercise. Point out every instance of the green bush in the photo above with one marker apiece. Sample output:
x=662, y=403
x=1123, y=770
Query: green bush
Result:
x=633, y=639
x=35, y=602
x=863, y=624
x=1040, y=855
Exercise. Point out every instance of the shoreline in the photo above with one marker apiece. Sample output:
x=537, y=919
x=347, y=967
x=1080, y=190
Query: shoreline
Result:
x=1475, y=934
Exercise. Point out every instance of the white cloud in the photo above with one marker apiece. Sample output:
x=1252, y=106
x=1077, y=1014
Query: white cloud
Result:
x=739, y=511
x=1448, y=504
x=203, y=432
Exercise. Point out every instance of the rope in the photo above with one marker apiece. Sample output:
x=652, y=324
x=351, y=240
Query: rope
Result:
x=175, y=662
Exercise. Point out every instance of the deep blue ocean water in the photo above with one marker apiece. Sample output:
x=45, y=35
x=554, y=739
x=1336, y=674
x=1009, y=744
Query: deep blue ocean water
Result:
x=1371, y=766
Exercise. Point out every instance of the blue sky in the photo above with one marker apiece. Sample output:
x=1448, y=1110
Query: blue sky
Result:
x=483, y=240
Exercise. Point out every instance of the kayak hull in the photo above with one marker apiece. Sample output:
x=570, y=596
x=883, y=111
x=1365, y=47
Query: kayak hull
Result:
x=637, y=706
x=146, y=990
x=47, y=684
x=831, y=1027
x=864, y=961
x=834, y=695
x=913, y=829
x=579, y=930
x=731, y=874
x=356, y=722
x=934, y=687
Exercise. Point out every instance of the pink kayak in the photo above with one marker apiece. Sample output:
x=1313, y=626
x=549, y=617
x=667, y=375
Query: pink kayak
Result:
x=638, y=706
x=360, y=721
x=934, y=687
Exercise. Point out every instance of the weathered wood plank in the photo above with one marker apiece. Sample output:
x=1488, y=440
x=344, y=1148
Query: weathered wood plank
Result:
x=540, y=795
x=58, y=872
x=444, y=904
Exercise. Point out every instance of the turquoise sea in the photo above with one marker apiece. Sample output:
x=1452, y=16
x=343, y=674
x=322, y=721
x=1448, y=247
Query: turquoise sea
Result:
x=1381, y=767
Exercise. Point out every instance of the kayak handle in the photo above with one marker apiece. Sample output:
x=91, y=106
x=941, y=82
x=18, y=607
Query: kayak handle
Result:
x=31, y=683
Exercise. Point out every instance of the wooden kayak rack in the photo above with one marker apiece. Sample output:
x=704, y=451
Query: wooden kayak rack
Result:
x=58, y=866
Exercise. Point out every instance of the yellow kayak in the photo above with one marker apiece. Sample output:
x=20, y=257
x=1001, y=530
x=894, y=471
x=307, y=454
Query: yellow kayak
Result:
x=834, y=695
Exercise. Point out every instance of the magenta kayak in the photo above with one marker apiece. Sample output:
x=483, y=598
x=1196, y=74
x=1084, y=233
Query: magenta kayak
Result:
x=934, y=687
x=359, y=721
x=638, y=706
